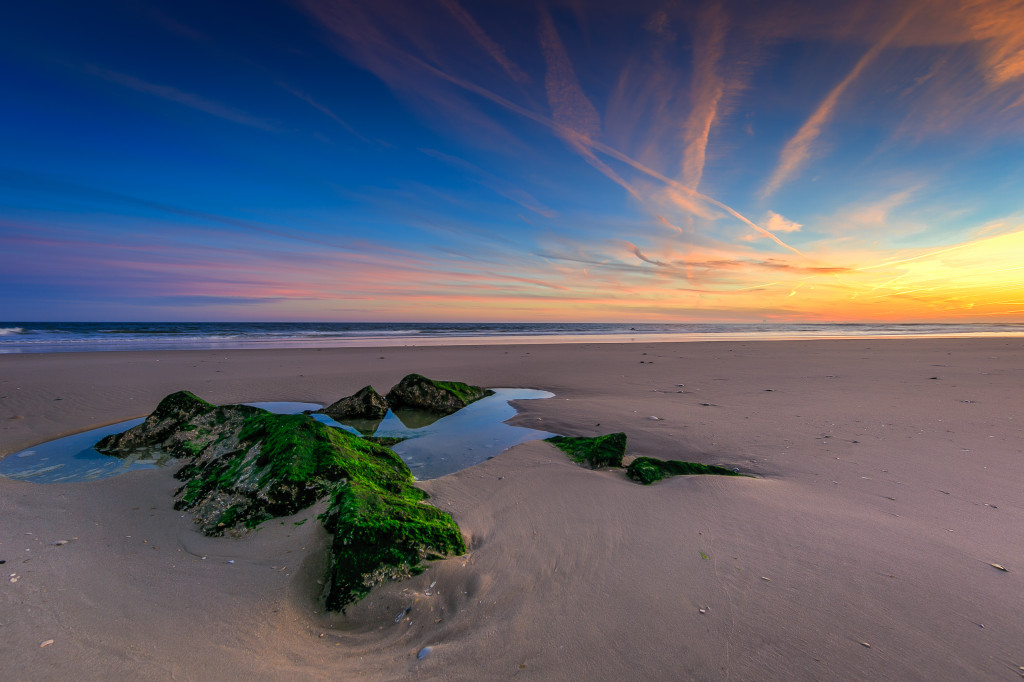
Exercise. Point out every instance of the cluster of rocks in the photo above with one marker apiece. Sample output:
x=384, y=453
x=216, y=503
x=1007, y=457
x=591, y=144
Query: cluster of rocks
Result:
x=414, y=391
x=244, y=465
x=609, y=449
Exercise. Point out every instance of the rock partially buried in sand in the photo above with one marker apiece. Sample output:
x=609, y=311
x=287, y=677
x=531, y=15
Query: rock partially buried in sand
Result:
x=647, y=470
x=365, y=403
x=442, y=397
x=599, y=451
x=245, y=465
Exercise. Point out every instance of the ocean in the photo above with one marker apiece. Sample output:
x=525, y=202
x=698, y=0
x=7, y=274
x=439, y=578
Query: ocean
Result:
x=50, y=337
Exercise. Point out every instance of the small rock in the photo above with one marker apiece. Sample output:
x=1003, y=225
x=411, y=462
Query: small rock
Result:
x=46, y=643
x=865, y=644
x=60, y=543
x=1001, y=568
x=424, y=652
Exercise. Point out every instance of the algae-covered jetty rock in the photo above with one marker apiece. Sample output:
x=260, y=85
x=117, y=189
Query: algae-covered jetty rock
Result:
x=365, y=403
x=599, y=451
x=647, y=470
x=443, y=397
x=244, y=465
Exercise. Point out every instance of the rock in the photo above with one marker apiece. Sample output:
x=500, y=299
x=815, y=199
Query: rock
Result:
x=382, y=531
x=599, y=451
x=442, y=397
x=647, y=470
x=365, y=403
x=160, y=428
x=244, y=465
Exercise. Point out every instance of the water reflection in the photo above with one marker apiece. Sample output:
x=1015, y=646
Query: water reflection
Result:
x=432, y=445
x=73, y=459
x=437, y=445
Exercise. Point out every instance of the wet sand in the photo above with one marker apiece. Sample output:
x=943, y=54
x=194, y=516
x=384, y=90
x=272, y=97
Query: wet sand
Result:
x=888, y=481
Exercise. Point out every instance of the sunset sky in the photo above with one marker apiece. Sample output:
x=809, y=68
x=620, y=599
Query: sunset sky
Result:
x=505, y=160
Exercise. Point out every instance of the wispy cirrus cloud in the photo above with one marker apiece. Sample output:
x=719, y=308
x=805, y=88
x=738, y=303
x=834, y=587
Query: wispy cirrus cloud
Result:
x=323, y=109
x=798, y=149
x=706, y=91
x=502, y=187
x=1000, y=24
x=187, y=99
x=486, y=43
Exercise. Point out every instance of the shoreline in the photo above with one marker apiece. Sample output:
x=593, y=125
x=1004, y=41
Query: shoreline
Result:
x=399, y=339
x=884, y=496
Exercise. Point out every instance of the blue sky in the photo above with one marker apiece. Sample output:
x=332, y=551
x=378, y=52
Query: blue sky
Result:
x=447, y=160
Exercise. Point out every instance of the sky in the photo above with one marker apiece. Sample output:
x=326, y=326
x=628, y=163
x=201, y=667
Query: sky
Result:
x=571, y=160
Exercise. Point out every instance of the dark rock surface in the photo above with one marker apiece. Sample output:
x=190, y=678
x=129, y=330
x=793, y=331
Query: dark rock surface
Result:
x=442, y=397
x=161, y=428
x=365, y=403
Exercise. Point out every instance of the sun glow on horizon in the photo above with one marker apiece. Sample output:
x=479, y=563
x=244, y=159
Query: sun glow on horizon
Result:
x=470, y=161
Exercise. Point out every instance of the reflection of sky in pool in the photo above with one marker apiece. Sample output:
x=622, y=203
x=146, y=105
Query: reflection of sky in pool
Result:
x=473, y=434
x=71, y=459
x=438, y=447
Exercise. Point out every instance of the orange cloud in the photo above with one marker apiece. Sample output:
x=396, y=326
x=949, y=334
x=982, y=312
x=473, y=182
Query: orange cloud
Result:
x=1000, y=24
x=706, y=92
x=798, y=150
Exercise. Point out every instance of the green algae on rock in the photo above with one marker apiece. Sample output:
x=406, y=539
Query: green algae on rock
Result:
x=162, y=427
x=382, y=532
x=599, y=451
x=386, y=441
x=647, y=470
x=443, y=397
x=245, y=465
x=365, y=403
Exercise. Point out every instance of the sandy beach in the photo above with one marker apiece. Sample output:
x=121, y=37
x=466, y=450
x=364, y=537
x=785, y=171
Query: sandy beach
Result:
x=887, y=479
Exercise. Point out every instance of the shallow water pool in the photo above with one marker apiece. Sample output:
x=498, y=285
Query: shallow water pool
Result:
x=433, y=446
x=438, y=446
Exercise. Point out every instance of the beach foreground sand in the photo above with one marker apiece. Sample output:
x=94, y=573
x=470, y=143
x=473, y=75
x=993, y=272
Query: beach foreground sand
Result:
x=888, y=479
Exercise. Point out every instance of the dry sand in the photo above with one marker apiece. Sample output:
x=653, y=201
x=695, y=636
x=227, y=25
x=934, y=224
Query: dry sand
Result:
x=889, y=477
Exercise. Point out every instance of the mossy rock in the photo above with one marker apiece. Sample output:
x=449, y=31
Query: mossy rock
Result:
x=386, y=441
x=160, y=428
x=647, y=470
x=244, y=465
x=599, y=451
x=381, y=535
x=365, y=403
x=442, y=397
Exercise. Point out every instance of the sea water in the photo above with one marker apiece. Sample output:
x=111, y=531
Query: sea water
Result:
x=51, y=337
